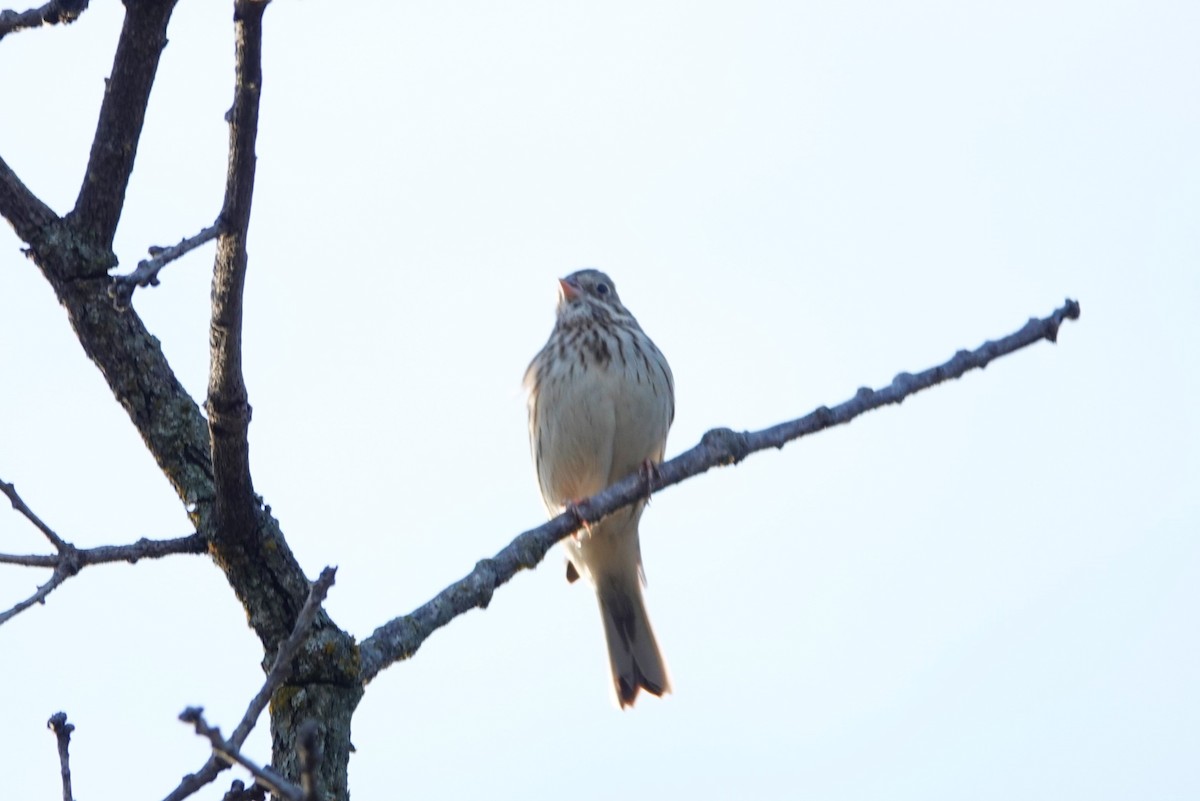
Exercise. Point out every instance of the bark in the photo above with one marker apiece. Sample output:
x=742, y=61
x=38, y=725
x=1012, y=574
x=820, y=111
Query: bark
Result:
x=205, y=460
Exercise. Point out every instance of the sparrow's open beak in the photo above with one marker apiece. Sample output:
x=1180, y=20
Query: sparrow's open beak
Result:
x=569, y=290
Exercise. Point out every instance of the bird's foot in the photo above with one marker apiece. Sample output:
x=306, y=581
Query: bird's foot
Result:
x=649, y=474
x=584, y=526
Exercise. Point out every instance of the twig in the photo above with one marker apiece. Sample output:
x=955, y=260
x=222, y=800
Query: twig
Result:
x=67, y=561
x=54, y=12
x=278, y=672
x=286, y=653
x=194, y=782
x=230, y=753
x=400, y=637
x=70, y=560
x=146, y=273
x=62, y=731
x=63, y=572
x=23, y=508
x=101, y=554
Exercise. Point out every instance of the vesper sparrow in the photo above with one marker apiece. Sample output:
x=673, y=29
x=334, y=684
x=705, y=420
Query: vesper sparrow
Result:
x=601, y=399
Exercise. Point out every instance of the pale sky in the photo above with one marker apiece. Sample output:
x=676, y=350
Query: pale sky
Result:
x=989, y=592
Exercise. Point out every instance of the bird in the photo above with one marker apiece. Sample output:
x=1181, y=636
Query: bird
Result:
x=601, y=402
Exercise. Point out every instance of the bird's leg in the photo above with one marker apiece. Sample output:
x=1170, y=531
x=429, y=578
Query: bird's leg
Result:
x=648, y=472
x=573, y=508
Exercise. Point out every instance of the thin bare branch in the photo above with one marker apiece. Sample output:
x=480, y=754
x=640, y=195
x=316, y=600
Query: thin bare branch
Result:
x=229, y=753
x=228, y=403
x=194, y=782
x=143, y=548
x=285, y=655
x=62, y=731
x=63, y=572
x=102, y=554
x=70, y=560
x=53, y=13
x=67, y=559
x=147, y=270
x=400, y=637
x=20, y=505
x=275, y=678
x=30, y=559
x=119, y=127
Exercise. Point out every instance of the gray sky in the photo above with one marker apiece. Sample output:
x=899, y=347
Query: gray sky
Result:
x=987, y=593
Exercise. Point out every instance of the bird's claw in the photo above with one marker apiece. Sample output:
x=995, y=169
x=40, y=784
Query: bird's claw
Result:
x=585, y=526
x=649, y=474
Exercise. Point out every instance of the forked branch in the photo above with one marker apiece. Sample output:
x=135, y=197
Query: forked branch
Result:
x=69, y=560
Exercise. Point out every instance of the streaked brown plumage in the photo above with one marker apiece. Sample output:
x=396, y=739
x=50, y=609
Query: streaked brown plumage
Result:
x=601, y=400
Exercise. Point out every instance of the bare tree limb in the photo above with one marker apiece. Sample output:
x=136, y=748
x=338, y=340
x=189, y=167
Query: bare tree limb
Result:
x=122, y=113
x=268, y=580
x=147, y=270
x=231, y=754
x=228, y=401
x=76, y=266
x=24, y=211
x=64, y=571
x=400, y=637
x=20, y=505
x=52, y=13
x=286, y=654
x=245, y=539
x=102, y=554
x=75, y=256
x=50, y=560
x=194, y=782
x=62, y=732
x=284, y=658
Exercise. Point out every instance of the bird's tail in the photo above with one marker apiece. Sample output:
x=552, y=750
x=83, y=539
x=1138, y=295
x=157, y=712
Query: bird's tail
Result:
x=633, y=653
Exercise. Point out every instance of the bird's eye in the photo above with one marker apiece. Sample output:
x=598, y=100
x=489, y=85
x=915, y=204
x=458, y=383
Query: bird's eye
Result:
x=601, y=288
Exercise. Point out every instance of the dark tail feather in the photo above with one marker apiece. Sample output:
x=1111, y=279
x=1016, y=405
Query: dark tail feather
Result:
x=633, y=653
